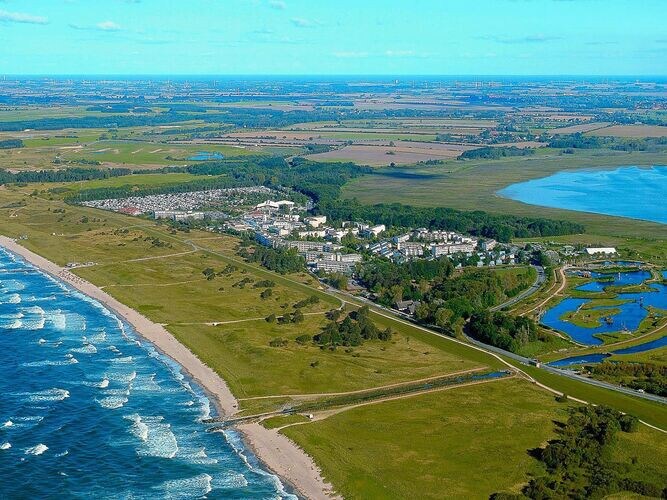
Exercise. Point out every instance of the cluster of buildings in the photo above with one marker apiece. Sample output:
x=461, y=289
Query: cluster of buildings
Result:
x=423, y=243
x=182, y=206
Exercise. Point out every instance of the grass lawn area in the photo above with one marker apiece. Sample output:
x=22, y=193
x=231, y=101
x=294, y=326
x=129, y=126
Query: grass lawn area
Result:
x=465, y=442
x=240, y=352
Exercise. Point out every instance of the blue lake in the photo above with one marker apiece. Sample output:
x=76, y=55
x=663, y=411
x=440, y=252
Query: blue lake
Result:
x=90, y=410
x=631, y=314
x=633, y=192
x=598, y=358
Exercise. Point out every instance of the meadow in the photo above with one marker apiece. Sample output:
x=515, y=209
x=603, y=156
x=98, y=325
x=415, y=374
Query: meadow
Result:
x=472, y=185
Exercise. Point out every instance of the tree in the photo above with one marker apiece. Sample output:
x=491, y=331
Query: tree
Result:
x=443, y=317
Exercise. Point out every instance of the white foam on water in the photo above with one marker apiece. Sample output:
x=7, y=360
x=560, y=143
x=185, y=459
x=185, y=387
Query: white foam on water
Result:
x=12, y=285
x=66, y=452
x=160, y=441
x=85, y=349
x=41, y=341
x=112, y=402
x=126, y=359
x=48, y=395
x=5, y=446
x=139, y=429
x=14, y=325
x=14, y=298
x=101, y=336
x=57, y=319
x=16, y=315
x=8, y=423
x=37, y=450
x=192, y=487
x=236, y=443
x=197, y=456
x=104, y=384
x=232, y=479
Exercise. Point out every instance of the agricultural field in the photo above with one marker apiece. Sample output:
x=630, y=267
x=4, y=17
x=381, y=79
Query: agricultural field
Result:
x=376, y=156
x=631, y=131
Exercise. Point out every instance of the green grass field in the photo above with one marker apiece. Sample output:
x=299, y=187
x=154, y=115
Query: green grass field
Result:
x=426, y=443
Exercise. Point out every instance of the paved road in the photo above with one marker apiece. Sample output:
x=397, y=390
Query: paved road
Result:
x=569, y=373
x=539, y=281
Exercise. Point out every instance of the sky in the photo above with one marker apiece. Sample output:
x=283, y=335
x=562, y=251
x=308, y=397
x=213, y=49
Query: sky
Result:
x=333, y=37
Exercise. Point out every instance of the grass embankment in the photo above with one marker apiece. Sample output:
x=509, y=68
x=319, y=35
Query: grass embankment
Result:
x=469, y=185
x=387, y=450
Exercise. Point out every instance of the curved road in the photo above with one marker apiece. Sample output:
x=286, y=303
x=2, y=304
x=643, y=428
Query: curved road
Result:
x=539, y=281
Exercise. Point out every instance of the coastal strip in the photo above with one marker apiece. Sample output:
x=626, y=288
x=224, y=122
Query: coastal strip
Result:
x=275, y=451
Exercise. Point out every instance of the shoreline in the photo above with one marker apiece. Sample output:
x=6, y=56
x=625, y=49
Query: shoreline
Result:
x=275, y=451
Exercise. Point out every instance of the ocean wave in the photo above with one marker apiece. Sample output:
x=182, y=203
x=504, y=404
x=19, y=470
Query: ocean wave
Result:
x=101, y=336
x=160, y=440
x=36, y=450
x=112, y=402
x=126, y=359
x=48, y=395
x=197, y=486
x=233, y=480
x=146, y=383
x=8, y=423
x=50, y=362
x=13, y=298
x=85, y=349
x=198, y=456
x=139, y=429
x=16, y=315
x=57, y=319
x=14, y=325
x=12, y=285
x=5, y=446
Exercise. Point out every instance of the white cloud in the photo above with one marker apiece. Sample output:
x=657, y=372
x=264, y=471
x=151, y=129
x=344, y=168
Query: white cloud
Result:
x=20, y=17
x=108, y=26
x=277, y=4
x=301, y=22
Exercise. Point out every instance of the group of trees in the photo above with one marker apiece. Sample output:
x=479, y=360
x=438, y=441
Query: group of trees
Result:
x=581, y=141
x=491, y=153
x=498, y=329
x=500, y=227
x=579, y=462
x=280, y=260
x=449, y=302
x=65, y=175
x=393, y=282
x=352, y=331
x=645, y=376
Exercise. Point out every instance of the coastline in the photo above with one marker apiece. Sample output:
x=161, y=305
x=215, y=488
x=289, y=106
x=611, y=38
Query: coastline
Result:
x=275, y=451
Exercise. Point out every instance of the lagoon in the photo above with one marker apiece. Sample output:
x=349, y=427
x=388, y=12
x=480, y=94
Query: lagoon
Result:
x=632, y=192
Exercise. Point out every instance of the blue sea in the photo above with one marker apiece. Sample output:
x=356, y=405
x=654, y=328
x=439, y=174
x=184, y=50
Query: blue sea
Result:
x=90, y=410
x=633, y=192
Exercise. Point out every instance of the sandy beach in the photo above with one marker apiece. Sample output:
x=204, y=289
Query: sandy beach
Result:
x=276, y=451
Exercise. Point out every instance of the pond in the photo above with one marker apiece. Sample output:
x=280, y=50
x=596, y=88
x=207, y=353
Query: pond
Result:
x=206, y=156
